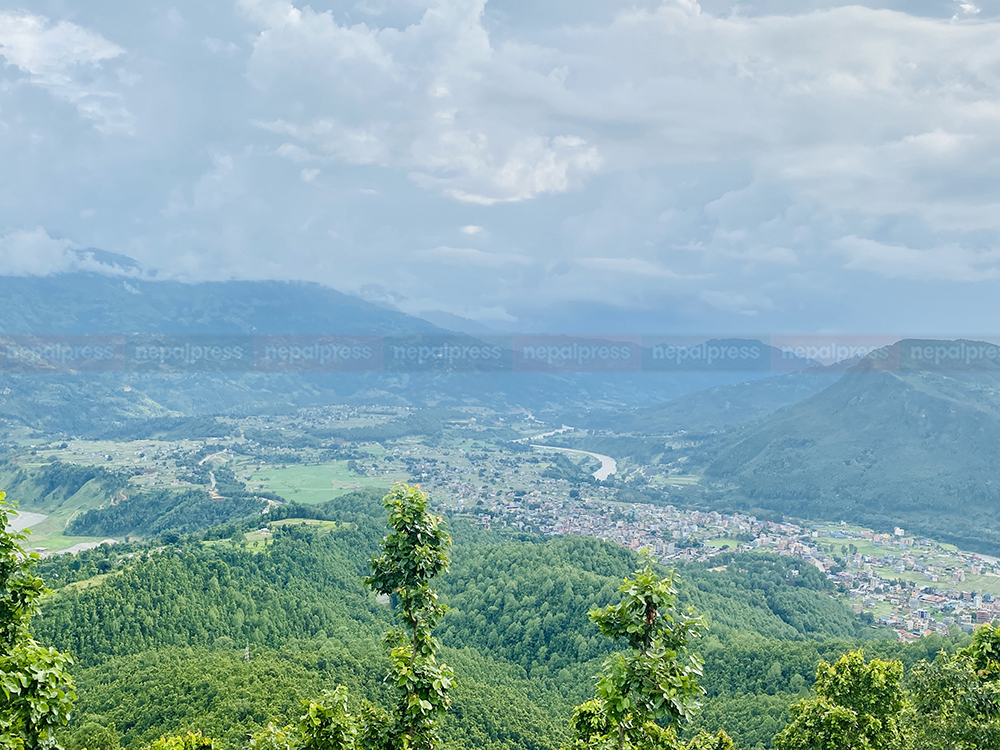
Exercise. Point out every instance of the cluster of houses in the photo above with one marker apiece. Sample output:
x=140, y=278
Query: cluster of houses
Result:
x=912, y=585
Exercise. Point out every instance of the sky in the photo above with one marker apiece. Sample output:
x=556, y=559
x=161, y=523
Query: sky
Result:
x=582, y=166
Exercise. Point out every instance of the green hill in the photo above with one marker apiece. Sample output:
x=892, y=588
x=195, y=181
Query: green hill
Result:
x=716, y=408
x=158, y=633
x=890, y=443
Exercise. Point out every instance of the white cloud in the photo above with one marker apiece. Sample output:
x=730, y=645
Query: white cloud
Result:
x=62, y=58
x=468, y=256
x=32, y=252
x=945, y=263
x=295, y=153
x=417, y=102
x=718, y=164
x=630, y=267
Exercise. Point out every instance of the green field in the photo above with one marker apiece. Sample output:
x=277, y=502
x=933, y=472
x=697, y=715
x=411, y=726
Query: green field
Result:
x=318, y=483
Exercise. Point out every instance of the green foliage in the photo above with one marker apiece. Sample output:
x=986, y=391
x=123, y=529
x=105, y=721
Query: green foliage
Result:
x=37, y=690
x=705, y=741
x=188, y=741
x=657, y=679
x=154, y=512
x=327, y=724
x=273, y=737
x=302, y=584
x=772, y=595
x=95, y=736
x=518, y=613
x=957, y=698
x=858, y=705
x=413, y=554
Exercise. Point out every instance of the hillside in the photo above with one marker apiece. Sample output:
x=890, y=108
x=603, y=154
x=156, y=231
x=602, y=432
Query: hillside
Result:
x=159, y=636
x=717, y=408
x=885, y=445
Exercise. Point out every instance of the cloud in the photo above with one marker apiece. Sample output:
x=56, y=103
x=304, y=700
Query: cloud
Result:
x=809, y=163
x=945, y=263
x=32, y=252
x=630, y=267
x=468, y=256
x=421, y=106
x=63, y=58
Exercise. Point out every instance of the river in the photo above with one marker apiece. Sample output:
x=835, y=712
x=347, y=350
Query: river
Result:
x=24, y=519
x=608, y=465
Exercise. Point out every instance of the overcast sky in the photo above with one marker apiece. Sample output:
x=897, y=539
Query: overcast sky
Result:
x=576, y=165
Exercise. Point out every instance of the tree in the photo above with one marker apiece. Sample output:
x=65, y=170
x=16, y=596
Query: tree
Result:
x=957, y=697
x=36, y=691
x=858, y=706
x=326, y=724
x=413, y=554
x=656, y=680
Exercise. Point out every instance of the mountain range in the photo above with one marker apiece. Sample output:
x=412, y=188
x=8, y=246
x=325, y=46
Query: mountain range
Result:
x=158, y=311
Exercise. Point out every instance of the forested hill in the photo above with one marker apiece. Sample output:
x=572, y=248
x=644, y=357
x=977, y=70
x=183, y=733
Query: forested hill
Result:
x=176, y=619
x=902, y=442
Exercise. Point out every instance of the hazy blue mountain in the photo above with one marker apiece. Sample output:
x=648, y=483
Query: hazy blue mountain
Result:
x=93, y=304
x=87, y=304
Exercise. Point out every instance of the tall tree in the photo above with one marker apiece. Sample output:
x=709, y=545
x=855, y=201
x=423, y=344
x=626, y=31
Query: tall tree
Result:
x=656, y=680
x=36, y=690
x=414, y=552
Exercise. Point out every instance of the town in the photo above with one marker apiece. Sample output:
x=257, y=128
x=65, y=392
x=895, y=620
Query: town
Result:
x=913, y=585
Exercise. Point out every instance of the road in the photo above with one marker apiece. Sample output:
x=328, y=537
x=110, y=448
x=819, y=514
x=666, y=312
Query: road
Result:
x=608, y=465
